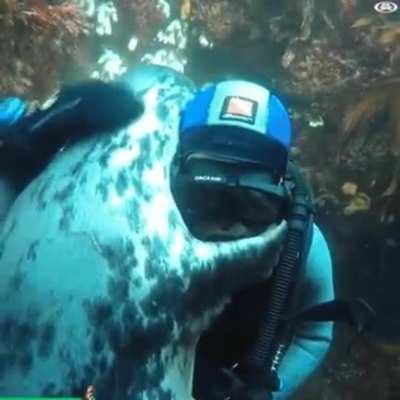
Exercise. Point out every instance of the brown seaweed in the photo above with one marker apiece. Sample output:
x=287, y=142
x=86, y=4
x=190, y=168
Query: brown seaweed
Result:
x=31, y=68
x=378, y=101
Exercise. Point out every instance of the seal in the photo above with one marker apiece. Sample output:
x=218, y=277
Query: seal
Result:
x=101, y=282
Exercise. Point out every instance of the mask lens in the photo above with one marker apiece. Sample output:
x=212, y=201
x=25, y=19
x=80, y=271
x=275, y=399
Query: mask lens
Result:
x=228, y=206
x=236, y=207
x=258, y=208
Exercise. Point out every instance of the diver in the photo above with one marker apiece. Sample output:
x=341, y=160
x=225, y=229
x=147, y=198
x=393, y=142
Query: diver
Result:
x=231, y=178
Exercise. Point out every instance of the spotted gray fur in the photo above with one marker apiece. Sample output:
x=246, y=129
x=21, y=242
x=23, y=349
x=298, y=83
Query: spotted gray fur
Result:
x=100, y=280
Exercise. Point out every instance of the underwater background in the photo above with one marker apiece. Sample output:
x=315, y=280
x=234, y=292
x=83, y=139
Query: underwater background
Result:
x=335, y=64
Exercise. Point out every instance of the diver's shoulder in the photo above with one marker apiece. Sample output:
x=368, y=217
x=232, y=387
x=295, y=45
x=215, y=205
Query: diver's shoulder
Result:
x=319, y=257
x=318, y=235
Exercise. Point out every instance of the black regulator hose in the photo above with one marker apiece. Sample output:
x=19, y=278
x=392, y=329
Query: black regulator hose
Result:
x=260, y=365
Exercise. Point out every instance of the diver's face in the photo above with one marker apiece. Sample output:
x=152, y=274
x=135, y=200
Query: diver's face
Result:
x=230, y=213
x=218, y=212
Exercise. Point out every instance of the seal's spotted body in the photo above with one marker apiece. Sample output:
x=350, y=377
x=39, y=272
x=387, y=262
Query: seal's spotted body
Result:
x=100, y=281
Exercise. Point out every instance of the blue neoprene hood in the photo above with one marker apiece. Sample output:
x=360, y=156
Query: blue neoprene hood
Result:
x=240, y=120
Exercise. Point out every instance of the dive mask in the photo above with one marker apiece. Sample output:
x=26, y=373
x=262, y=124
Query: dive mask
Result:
x=214, y=191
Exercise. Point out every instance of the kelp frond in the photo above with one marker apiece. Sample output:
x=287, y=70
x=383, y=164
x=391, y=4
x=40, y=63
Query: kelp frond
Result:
x=363, y=112
x=384, y=99
x=383, y=33
x=390, y=35
x=362, y=22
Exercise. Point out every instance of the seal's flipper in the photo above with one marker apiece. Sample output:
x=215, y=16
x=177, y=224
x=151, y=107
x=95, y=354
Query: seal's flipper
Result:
x=80, y=111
